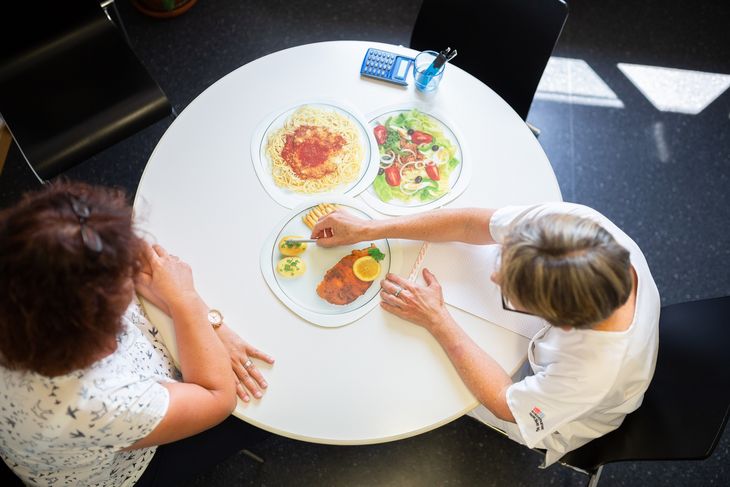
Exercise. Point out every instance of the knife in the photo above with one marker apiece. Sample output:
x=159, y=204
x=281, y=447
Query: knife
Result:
x=300, y=240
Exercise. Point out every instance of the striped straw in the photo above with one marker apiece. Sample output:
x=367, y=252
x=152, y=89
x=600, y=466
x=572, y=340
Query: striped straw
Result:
x=418, y=263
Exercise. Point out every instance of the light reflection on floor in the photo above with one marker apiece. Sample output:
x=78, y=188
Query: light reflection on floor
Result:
x=570, y=80
x=676, y=90
x=573, y=81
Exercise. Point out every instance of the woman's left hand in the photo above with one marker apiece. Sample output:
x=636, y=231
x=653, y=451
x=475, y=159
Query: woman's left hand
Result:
x=422, y=305
x=249, y=377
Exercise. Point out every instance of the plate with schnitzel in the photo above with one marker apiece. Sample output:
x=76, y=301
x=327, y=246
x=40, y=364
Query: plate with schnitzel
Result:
x=329, y=287
x=313, y=149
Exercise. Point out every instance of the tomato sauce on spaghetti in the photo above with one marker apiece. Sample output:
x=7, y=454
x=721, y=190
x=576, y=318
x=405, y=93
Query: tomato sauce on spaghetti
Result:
x=309, y=150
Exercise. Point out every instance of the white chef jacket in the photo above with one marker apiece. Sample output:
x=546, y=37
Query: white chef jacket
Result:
x=584, y=381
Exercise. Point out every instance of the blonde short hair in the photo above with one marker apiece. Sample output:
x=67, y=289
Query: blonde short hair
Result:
x=566, y=269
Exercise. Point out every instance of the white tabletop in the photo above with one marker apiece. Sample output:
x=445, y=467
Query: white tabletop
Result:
x=377, y=379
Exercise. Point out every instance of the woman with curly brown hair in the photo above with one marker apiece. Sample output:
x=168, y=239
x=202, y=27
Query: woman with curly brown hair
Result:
x=88, y=391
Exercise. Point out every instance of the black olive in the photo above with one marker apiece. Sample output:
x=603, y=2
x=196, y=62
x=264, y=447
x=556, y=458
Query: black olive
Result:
x=410, y=131
x=435, y=148
x=419, y=179
x=381, y=171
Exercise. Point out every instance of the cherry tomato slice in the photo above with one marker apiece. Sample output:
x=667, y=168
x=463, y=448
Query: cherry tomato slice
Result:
x=433, y=171
x=381, y=134
x=419, y=138
x=392, y=175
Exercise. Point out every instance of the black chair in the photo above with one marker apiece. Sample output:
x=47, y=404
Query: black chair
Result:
x=70, y=85
x=504, y=43
x=7, y=477
x=686, y=407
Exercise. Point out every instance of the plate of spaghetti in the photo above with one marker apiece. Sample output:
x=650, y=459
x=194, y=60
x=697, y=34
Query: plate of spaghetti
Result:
x=421, y=162
x=312, y=149
x=329, y=287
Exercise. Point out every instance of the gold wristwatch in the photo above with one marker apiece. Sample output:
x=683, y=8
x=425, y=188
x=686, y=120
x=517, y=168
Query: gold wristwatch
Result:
x=215, y=318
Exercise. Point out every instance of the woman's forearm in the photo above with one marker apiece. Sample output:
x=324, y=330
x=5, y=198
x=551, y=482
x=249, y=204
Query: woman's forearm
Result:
x=203, y=358
x=469, y=225
x=481, y=374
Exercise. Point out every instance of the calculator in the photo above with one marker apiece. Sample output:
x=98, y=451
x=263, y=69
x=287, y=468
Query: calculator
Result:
x=386, y=66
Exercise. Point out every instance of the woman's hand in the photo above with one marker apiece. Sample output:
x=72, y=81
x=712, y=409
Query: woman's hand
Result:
x=249, y=377
x=340, y=228
x=164, y=279
x=422, y=305
x=142, y=281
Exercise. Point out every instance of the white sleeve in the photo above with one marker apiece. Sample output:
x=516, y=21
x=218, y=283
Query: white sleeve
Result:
x=139, y=407
x=543, y=402
x=124, y=396
x=503, y=218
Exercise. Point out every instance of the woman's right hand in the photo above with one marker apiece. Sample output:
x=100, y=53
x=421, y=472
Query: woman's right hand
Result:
x=165, y=276
x=422, y=305
x=340, y=228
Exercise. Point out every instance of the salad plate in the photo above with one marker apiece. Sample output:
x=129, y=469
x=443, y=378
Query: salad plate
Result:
x=421, y=162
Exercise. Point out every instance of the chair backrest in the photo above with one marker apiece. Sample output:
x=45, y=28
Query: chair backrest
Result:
x=686, y=406
x=504, y=43
x=70, y=85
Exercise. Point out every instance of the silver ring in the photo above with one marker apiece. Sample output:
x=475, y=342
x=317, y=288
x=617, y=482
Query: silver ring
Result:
x=397, y=293
x=248, y=364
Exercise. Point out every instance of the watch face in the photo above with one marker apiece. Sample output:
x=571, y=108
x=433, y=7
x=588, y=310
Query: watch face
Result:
x=214, y=317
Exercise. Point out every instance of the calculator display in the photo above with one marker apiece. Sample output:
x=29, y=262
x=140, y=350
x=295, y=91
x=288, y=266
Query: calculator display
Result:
x=401, y=69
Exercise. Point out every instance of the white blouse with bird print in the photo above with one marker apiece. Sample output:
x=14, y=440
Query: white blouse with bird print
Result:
x=71, y=429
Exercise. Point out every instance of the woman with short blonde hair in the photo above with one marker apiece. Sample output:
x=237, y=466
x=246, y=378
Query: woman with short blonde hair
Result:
x=567, y=269
x=580, y=276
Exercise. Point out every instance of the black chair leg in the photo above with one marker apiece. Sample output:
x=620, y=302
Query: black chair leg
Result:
x=251, y=454
x=594, y=477
x=535, y=130
x=117, y=20
x=32, y=169
x=6, y=140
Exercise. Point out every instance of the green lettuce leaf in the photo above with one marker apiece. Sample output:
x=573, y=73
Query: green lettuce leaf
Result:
x=382, y=189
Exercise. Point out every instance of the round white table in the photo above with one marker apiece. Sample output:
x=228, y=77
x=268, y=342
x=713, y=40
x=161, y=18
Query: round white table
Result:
x=380, y=378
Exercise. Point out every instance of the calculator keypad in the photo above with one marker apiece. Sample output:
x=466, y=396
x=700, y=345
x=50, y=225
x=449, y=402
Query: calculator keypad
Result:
x=378, y=63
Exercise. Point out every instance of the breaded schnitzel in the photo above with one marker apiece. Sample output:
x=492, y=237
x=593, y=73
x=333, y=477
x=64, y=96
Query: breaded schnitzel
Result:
x=340, y=286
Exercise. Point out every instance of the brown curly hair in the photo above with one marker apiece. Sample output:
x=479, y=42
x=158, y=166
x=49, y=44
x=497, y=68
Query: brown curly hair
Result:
x=61, y=300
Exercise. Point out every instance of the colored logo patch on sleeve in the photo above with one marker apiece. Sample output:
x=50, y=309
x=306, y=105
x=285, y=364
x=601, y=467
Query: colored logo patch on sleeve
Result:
x=537, y=415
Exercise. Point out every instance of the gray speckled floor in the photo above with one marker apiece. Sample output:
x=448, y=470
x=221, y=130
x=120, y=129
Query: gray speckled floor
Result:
x=663, y=177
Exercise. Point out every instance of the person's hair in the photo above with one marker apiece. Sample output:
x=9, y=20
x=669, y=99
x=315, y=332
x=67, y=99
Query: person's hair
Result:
x=566, y=269
x=61, y=297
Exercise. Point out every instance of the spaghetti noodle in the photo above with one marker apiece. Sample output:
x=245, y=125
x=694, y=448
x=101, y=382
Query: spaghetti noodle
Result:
x=315, y=151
